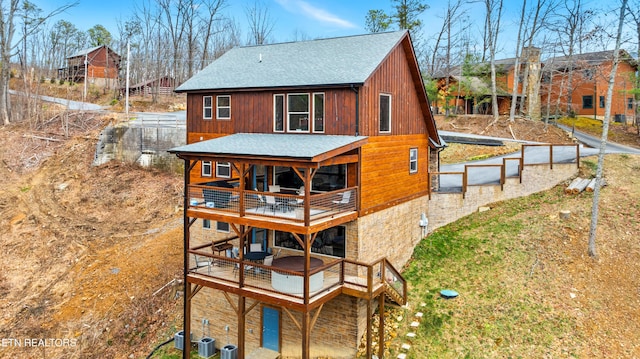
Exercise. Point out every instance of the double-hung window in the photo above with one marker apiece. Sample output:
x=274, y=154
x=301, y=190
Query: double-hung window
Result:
x=385, y=113
x=223, y=107
x=207, y=107
x=318, y=112
x=298, y=112
x=206, y=169
x=223, y=169
x=413, y=160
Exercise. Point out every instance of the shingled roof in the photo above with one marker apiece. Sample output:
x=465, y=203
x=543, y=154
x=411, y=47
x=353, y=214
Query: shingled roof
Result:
x=269, y=145
x=335, y=61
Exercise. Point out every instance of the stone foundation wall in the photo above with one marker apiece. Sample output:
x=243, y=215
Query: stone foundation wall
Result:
x=392, y=232
x=334, y=335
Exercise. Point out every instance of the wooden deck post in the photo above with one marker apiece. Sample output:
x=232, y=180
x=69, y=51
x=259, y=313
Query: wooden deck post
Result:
x=381, y=326
x=186, y=338
x=369, y=328
x=306, y=334
x=241, y=324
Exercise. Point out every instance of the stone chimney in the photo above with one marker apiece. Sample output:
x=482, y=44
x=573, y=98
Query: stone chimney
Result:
x=532, y=58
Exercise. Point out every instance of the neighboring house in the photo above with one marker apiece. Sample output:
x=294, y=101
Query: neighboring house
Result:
x=466, y=89
x=99, y=65
x=589, y=84
x=162, y=86
x=306, y=178
x=471, y=94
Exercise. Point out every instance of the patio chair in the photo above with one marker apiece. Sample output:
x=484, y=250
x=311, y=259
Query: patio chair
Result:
x=236, y=267
x=346, y=197
x=268, y=260
x=271, y=203
x=202, y=261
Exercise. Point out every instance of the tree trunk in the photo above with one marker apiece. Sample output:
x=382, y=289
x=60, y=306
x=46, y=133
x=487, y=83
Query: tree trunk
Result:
x=603, y=142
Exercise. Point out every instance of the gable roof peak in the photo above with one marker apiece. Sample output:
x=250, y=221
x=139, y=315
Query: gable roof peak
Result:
x=331, y=61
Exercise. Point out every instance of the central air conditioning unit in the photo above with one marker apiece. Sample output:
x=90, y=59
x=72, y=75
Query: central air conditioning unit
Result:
x=206, y=347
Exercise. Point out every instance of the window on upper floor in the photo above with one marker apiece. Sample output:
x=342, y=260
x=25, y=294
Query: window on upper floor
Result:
x=587, y=101
x=223, y=169
x=298, y=112
x=207, y=107
x=630, y=103
x=601, y=100
x=278, y=113
x=385, y=113
x=413, y=160
x=206, y=169
x=223, y=107
x=318, y=112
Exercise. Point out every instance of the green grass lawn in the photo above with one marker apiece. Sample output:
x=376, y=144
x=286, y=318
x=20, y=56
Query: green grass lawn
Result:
x=489, y=258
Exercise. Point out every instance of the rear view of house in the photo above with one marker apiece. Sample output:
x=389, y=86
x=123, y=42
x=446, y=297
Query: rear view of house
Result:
x=306, y=175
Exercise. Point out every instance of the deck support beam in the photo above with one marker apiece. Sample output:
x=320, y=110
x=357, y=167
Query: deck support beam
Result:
x=241, y=325
x=381, y=326
x=369, y=327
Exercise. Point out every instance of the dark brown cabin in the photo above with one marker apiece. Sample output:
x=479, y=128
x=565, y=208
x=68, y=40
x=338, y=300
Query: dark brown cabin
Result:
x=306, y=173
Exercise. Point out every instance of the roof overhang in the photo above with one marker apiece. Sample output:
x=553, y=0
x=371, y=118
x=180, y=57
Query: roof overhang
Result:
x=313, y=150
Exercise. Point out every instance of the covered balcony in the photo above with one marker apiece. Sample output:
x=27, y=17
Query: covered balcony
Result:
x=299, y=183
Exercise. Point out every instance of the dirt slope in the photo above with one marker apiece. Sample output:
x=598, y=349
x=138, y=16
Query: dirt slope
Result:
x=84, y=247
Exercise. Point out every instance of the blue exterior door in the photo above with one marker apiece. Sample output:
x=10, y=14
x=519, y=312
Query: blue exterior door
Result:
x=271, y=329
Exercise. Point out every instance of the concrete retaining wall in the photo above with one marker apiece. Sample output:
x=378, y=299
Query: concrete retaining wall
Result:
x=146, y=146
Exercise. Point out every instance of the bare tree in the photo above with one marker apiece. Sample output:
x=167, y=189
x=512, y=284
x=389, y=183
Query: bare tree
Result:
x=260, y=23
x=8, y=46
x=452, y=15
x=570, y=28
x=633, y=10
x=211, y=25
x=516, y=66
x=603, y=141
x=492, y=26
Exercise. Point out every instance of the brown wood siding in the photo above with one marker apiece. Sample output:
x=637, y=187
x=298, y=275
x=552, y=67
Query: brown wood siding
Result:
x=393, y=77
x=195, y=175
x=385, y=176
x=252, y=112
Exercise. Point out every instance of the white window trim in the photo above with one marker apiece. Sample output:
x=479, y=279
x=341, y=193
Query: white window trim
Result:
x=206, y=224
x=390, y=111
x=284, y=113
x=287, y=122
x=207, y=164
x=411, y=151
x=218, y=107
x=220, y=165
x=205, y=107
x=313, y=110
